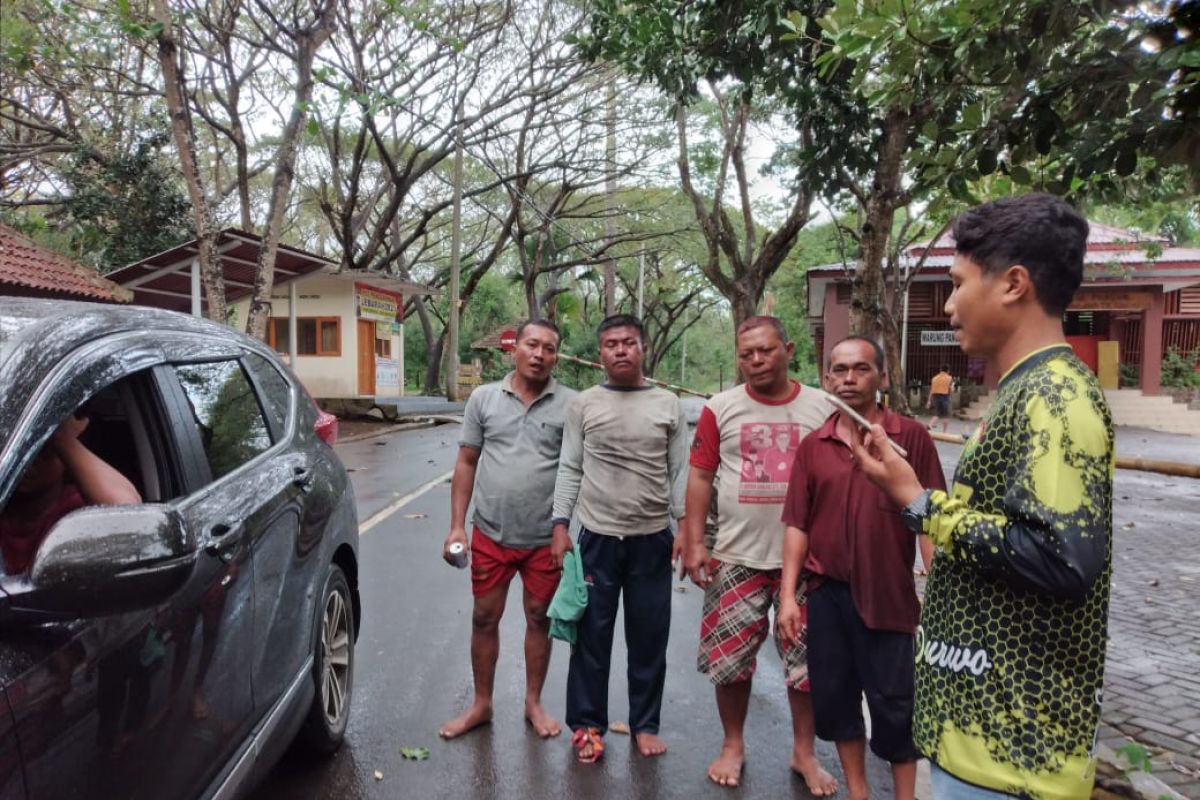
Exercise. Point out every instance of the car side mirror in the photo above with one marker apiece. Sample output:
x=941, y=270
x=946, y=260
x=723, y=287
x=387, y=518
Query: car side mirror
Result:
x=104, y=560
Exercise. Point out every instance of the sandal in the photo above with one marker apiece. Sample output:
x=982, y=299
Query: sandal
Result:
x=585, y=738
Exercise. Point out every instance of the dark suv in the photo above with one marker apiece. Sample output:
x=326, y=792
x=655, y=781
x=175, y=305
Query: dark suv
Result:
x=176, y=647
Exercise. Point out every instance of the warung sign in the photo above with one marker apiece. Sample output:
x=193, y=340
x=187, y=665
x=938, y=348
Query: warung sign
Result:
x=938, y=338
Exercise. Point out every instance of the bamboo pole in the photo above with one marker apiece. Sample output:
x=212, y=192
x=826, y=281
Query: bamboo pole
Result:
x=1178, y=469
x=663, y=384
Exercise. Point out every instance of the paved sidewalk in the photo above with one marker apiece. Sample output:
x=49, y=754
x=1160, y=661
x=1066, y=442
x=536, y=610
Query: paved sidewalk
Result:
x=1152, y=675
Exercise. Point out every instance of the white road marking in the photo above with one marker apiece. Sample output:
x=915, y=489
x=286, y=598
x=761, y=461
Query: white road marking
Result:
x=380, y=516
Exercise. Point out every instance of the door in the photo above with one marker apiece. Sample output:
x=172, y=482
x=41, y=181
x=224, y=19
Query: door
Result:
x=366, y=357
x=287, y=553
x=153, y=702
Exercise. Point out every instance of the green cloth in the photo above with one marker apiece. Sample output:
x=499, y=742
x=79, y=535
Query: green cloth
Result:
x=570, y=600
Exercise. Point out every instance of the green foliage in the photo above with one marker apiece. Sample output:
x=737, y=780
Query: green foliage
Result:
x=1179, y=369
x=1129, y=376
x=493, y=305
x=126, y=207
x=1156, y=202
x=1136, y=755
x=415, y=753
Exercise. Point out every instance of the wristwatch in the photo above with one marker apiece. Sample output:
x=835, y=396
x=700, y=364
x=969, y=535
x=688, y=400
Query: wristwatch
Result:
x=915, y=512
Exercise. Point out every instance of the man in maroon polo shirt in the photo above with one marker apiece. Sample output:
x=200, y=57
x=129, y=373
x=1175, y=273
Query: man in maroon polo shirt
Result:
x=862, y=604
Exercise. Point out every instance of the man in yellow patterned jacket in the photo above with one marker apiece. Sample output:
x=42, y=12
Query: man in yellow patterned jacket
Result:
x=1010, y=650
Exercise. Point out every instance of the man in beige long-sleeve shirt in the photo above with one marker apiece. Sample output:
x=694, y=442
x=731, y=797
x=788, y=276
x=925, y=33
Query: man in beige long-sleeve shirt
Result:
x=622, y=472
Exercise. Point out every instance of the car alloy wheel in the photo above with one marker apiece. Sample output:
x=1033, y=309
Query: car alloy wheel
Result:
x=336, y=655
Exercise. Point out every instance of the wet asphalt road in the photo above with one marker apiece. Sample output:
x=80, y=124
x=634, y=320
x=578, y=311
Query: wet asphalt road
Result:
x=413, y=673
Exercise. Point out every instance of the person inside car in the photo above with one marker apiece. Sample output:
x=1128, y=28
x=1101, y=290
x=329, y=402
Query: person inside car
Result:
x=64, y=476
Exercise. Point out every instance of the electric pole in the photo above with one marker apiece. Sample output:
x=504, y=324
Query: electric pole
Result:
x=455, y=267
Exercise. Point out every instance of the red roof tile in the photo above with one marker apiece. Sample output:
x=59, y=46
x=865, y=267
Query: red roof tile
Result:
x=35, y=270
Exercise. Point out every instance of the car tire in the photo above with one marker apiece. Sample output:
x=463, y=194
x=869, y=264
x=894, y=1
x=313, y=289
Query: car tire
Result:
x=333, y=668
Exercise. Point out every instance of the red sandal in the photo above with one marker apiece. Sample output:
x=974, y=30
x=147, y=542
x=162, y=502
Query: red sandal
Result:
x=585, y=738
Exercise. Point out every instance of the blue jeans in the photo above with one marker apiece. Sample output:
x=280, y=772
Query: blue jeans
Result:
x=948, y=787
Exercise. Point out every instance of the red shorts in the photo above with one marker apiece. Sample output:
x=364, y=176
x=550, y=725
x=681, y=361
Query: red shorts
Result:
x=494, y=565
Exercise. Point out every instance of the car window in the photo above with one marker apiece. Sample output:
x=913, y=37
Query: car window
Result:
x=231, y=422
x=101, y=453
x=274, y=390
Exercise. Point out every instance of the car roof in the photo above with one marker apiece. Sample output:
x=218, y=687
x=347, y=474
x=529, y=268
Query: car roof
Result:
x=37, y=334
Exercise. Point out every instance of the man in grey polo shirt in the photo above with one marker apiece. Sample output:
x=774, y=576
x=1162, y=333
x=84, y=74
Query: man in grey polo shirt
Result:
x=508, y=458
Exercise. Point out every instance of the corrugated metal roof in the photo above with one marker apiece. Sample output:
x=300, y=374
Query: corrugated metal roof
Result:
x=1170, y=255
x=43, y=272
x=164, y=280
x=1098, y=234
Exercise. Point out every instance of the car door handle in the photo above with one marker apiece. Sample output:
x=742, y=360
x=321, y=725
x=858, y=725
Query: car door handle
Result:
x=303, y=477
x=219, y=538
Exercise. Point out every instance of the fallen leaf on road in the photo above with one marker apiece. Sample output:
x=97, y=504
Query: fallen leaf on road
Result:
x=415, y=516
x=1154, y=582
x=1128, y=525
x=380, y=444
x=415, y=753
x=378, y=775
x=619, y=727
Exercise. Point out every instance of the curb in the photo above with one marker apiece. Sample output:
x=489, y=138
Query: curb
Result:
x=403, y=426
x=1115, y=769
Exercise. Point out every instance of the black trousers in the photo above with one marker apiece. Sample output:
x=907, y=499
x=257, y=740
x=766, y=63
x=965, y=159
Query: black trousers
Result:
x=847, y=660
x=636, y=569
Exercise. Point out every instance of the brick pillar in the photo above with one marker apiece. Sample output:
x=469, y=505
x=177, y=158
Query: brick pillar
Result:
x=1152, y=344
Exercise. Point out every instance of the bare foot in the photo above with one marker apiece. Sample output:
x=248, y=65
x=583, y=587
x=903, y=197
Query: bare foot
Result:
x=726, y=770
x=820, y=783
x=648, y=744
x=545, y=725
x=469, y=720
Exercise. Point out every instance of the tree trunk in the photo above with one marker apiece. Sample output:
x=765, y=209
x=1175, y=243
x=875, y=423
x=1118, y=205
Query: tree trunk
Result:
x=307, y=43
x=185, y=141
x=433, y=369
x=745, y=306
x=870, y=312
x=531, y=297
x=749, y=267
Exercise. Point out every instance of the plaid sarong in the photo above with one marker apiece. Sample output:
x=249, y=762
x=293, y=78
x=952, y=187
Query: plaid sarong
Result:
x=735, y=623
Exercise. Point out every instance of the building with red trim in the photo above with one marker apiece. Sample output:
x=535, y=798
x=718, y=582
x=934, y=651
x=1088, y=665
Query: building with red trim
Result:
x=29, y=270
x=341, y=330
x=1137, y=291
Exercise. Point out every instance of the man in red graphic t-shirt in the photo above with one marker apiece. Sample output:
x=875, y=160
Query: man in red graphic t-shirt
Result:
x=746, y=439
x=62, y=477
x=861, y=612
